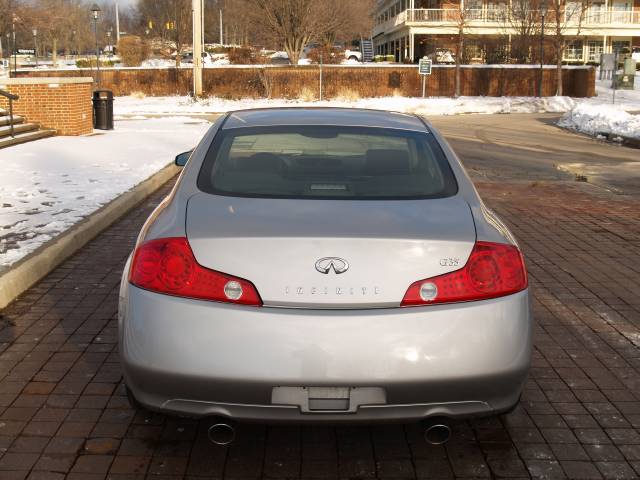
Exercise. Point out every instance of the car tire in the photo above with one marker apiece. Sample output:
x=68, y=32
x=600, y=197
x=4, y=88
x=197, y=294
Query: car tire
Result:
x=133, y=402
x=353, y=57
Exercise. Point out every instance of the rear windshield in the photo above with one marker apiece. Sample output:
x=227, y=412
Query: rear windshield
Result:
x=326, y=162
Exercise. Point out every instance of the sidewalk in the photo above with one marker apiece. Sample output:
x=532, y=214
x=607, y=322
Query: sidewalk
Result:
x=63, y=411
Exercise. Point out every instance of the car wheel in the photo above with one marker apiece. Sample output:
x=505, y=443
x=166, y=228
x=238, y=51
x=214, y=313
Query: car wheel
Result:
x=353, y=57
x=132, y=400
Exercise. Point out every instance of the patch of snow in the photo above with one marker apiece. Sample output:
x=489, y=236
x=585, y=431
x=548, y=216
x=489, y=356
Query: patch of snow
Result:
x=596, y=120
x=158, y=62
x=422, y=106
x=49, y=185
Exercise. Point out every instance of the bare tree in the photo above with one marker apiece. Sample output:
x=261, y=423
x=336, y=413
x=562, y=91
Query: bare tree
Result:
x=562, y=16
x=521, y=20
x=169, y=20
x=294, y=23
x=461, y=17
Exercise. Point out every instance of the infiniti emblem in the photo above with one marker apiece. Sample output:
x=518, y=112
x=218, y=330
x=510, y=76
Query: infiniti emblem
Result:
x=339, y=265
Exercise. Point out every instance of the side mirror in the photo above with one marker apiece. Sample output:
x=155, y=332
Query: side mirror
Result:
x=183, y=158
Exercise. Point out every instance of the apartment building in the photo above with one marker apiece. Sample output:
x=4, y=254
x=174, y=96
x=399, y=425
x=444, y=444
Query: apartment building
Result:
x=411, y=29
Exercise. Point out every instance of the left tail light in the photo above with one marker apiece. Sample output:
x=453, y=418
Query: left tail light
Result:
x=167, y=265
x=492, y=270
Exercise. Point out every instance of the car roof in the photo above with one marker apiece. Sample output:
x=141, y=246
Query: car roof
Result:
x=347, y=117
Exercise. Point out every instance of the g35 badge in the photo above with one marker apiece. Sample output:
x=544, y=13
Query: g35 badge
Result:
x=449, y=262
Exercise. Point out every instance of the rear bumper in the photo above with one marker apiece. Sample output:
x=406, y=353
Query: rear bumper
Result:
x=202, y=358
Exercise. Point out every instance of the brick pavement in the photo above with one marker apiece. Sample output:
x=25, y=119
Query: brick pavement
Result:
x=63, y=413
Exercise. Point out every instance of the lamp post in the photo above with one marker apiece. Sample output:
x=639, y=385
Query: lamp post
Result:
x=543, y=13
x=35, y=45
x=109, y=44
x=95, y=13
x=15, y=52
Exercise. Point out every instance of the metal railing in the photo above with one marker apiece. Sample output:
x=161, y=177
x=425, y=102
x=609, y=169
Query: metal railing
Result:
x=500, y=13
x=11, y=97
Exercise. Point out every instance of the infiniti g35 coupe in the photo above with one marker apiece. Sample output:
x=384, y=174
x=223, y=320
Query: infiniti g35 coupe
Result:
x=324, y=265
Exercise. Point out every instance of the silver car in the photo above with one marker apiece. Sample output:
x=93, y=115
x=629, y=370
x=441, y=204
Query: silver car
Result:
x=324, y=265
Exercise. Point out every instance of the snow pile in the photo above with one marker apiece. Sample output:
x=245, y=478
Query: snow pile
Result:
x=49, y=185
x=601, y=119
x=124, y=106
x=158, y=62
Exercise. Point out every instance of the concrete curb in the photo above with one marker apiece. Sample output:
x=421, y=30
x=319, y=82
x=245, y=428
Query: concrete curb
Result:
x=29, y=270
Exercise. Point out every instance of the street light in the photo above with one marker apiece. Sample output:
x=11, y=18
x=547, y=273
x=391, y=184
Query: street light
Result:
x=15, y=52
x=109, y=43
x=35, y=45
x=543, y=13
x=95, y=13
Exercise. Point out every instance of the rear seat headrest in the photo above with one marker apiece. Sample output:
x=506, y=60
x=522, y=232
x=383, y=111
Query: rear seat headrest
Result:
x=387, y=162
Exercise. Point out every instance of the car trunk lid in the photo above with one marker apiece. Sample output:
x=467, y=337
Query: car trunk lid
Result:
x=330, y=253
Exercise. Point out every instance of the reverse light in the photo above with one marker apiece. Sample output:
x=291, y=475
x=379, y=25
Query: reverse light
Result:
x=167, y=265
x=493, y=270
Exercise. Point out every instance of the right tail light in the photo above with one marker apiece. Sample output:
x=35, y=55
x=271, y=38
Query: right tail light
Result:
x=493, y=270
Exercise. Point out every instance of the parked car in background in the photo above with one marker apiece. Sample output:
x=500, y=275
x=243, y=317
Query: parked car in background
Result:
x=206, y=58
x=353, y=55
x=442, y=56
x=318, y=265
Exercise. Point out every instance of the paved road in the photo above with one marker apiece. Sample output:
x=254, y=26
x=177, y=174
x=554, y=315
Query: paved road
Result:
x=497, y=146
x=63, y=413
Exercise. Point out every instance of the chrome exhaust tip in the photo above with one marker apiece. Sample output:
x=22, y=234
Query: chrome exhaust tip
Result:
x=221, y=433
x=437, y=431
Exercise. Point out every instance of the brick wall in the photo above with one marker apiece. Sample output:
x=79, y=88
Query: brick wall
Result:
x=365, y=81
x=61, y=104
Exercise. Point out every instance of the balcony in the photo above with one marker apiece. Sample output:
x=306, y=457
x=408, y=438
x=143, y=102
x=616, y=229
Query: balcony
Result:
x=496, y=17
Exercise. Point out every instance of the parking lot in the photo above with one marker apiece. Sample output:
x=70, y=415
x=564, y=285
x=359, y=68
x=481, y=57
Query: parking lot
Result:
x=64, y=414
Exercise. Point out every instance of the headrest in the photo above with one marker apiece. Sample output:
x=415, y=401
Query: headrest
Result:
x=387, y=162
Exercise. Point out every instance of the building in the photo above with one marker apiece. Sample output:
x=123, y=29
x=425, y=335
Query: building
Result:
x=411, y=29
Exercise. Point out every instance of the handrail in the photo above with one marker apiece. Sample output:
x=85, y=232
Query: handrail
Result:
x=11, y=97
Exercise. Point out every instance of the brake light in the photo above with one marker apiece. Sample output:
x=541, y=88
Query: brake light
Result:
x=168, y=266
x=493, y=270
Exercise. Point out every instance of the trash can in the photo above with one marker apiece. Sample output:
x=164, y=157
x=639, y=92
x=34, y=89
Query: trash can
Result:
x=103, y=109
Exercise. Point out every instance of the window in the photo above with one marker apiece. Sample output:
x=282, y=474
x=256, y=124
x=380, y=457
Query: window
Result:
x=573, y=52
x=594, y=50
x=620, y=46
x=326, y=162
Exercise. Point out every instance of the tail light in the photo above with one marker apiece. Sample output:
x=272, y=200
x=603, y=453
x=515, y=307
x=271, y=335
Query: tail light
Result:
x=493, y=270
x=168, y=266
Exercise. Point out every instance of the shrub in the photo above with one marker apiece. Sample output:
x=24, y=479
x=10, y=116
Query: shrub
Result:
x=91, y=63
x=132, y=50
x=240, y=56
x=390, y=58
x=307, y=94
x=330, y=55
x=347, y=94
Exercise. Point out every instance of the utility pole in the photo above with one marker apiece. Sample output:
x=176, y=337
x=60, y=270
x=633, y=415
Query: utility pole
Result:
x=117, y=25
x=221, y=39
x=197, y=48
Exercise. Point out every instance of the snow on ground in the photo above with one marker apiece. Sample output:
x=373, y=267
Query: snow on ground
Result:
x=598, y=119
x=49, y=185
x=601, y=115
x=625, y=100
x=124, y=106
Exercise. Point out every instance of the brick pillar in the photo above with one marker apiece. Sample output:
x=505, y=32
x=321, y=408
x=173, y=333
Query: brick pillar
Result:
x=60, y=104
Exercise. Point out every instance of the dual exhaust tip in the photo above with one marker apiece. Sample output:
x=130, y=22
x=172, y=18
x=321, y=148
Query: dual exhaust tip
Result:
x=221, y=433
x=436, y=432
